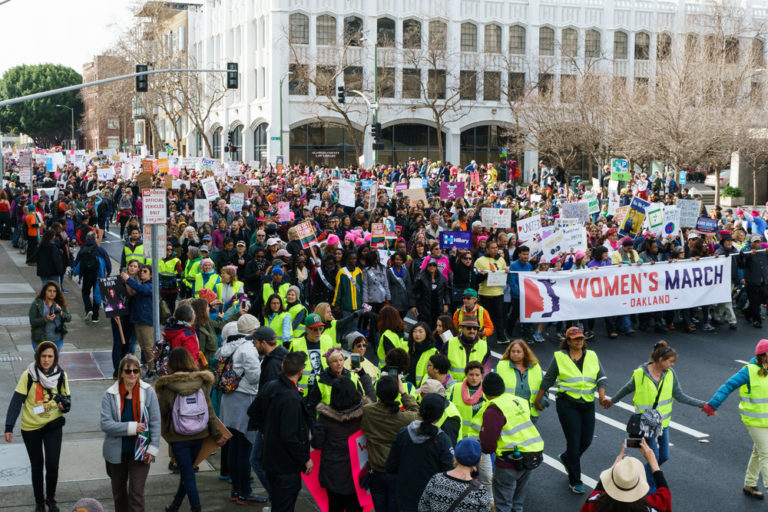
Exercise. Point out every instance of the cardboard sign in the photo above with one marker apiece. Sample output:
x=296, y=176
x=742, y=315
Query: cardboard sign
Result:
x=496, y=217
x=154, y=205
x=210, y=188
x=451, y=190
x=497, y=278
x=528, y=228
x=461, y=240
x=144, y=180
x=689, y=212
x=415, y=195
x=202, y=210
x=114, y=296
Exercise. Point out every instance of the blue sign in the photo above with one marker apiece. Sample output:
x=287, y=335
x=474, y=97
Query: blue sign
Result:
x=461, y=240
x=683, y=177
x=706, y=225
x=366, y=184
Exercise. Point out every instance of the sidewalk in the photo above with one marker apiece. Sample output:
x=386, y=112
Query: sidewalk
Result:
x=82, y=471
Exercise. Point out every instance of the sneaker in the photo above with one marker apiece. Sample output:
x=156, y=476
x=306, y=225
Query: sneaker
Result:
x=589, y=335
x=629, y=332
x=95, y=321
x=232, y=495
x=224, y=477
x=708, y=327
x=504, y=341
x=577, y=489
x=732, y=327
x=613, y=334
x=537, y=337
x=252, y=499
x=757, y=325
x=88, y=316
x=671, y=327
x=690, y=329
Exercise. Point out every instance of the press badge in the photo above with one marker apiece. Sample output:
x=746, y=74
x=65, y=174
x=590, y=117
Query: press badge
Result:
x=40, y=409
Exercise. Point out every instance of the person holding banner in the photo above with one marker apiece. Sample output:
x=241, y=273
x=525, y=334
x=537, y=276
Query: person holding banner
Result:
x=491, y=297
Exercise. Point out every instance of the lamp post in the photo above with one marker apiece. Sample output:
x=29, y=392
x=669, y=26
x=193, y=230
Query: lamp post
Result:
x=72, y=127
x=281, y=112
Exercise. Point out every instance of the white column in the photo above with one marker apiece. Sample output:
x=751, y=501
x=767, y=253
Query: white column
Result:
x=453, y=145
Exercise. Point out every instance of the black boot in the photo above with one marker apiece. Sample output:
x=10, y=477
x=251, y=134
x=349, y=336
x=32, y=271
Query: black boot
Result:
x=195, y=509
x=174, y=506
x=51, y=502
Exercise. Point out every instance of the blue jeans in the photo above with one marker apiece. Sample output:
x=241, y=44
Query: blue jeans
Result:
x=660, y=447
x=255, y=460
x=59, y=344
x=384, y=492
x=185, y=453
x=55, y=279
x=16, y=235
x=509, y=488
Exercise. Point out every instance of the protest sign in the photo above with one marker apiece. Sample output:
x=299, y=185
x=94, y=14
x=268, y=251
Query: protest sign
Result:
x=176, y=184
x=358, y=457
x=106, y=174
x=551, y=246
x=162, y=166
x=373, y=196
x=366, y=184
x=451, y=190
x=528, y=228
x=632, y=223
x=574, y=237
x=147, y=166
x=613, y=197
x=461, y=240
x=210, y=188
x=114, y=296
x=144, y=180
x=593, y=203
x=347, y=193
x=689, y=212
x=620, y=169
x=578, y=210
x=312, y=481
x=313, y=203
x=400, y=187
x=415, y=195
x=378, y=235
x=683, y=177
x=670, y=220
x=236, y=201
x=202, y=210
x=706, y=225
x=623, y=290
x=306, y=234
x=415, y=183
x=655, y=218
x=283, y=212
x=496, y=217
x=563, y=222
x=496, y=278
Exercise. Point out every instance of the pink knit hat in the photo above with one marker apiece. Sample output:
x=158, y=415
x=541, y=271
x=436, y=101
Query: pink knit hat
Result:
x=762, y=347
x=333, y=240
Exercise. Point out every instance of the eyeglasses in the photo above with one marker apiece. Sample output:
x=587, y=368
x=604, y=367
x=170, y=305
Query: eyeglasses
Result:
x=134, y=371
x=469, y=328
x=145, y=270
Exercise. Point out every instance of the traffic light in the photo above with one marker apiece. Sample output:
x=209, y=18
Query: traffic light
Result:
x=376, y=132
x=341, y=98
x=228, y=146
x=232, y=75
x=142, y=83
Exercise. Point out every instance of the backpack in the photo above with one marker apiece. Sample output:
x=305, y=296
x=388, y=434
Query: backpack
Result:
x=190, y=413
x=225, y=379
x=160, y=353
x=89, y=260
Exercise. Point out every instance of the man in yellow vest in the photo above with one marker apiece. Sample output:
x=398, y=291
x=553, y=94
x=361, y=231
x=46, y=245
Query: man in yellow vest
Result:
x=314, y=344
x=467, y=346
x=508, y=432
x=133, y=249
x=450, y=421
x=170, y=274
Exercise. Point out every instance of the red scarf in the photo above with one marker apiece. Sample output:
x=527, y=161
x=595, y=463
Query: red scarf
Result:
x=476, y=396
x=135, y=397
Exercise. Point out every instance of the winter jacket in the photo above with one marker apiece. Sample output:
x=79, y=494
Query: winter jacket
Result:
x=755, y=267
x=245, y=362
x=415, y=458
x=401, y=295
x=331, y=435
x=422, y=290
x=375, y=285
x=37, y=320
x=348, y=294
x=272, y=365
x=141, y=309
x=49, y=263
x=381, y=426
x=315, y=396
x=181, y=334
x=184, y=383
x=279, y=413
x=319, y=291
x=115, y=429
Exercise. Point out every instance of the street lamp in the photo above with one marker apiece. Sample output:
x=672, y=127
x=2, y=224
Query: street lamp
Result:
x=72, y=132
x=281, y=112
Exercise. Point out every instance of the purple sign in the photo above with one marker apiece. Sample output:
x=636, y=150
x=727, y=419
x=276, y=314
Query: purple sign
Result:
x=399, y=187
x=451, y=190
x=461, y=240
x=706, y=225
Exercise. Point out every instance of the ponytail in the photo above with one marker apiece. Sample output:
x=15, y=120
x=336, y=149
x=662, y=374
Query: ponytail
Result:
x=662, y=350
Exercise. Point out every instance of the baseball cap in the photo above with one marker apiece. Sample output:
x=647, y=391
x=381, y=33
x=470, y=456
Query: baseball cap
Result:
x=469, y=292
x=574, y=332
x=313, y=320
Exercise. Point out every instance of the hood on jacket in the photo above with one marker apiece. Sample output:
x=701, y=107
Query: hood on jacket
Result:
x=175, y=323
x=350, y=414
x=416, y=436
x=184, y=383
x=176, y=330
x=233, y=343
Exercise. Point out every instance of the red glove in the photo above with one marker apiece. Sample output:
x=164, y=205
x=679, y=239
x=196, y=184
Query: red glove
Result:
x=708, y=410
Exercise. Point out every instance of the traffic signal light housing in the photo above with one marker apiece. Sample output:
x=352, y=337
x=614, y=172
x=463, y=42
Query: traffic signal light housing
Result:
x=228, y=146
x=142, y=82
x=376, y=132
x=341, y=98
x=232, y=75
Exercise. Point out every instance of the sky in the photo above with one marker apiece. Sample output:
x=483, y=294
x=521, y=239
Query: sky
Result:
x=69, y=32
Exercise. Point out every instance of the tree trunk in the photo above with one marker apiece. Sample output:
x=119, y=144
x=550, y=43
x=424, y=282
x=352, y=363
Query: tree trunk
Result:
x=754, y=184
x=717, y=186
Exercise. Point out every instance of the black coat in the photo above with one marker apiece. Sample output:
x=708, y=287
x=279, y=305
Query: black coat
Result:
x=755, y=267
x=422, y=289
x=49, y=263
x=272, y=365
x=279, y=413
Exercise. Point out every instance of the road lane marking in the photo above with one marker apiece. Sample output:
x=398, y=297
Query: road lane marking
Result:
x=740, y=361
x=554, y=463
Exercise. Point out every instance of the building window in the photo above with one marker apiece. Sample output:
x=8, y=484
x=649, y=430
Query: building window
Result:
x=732, y=50
x=412, y=34
x=570, y=42
x=237, y=141
x=492, y=39
x=620, y=45
x=642, y=46
x=385, y=32
x=663, y=46
x=263, y=82
x=113, y=142
x=516, y=86
x=298, y=28
x=260, y=143
x=592, y=44
x=436, y=84
x=545, y=84
x=217, y=143
x=756, y=94
x=468, y=85
x=353, y=30
x=691, y=46
x=437, y=35
x=491, y=86
x=297, y=86
x=325, y=81
x=758, y=52
x=517, y=40
x=113, y=123
x=546, y=42
x=386, y=82
x=326, y=30
x=256, y=83
x=353, y=78
x=411, y=83
x=468, y=37
x=567, y=88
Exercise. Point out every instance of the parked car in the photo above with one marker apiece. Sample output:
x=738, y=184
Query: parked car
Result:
x=725, y=177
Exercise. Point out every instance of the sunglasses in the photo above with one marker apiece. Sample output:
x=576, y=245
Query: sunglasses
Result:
x=361, y=345
x=144, y=270
x=470, y=328
x=134, y=371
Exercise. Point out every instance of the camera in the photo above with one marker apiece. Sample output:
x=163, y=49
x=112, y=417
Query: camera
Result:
x=65, y=401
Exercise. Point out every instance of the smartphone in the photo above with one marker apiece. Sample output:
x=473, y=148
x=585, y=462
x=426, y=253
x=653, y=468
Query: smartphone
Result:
x=392, y=371
x=354, y=361
x=632, y=442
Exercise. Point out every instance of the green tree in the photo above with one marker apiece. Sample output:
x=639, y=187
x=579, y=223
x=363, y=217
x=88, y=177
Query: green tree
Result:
x=40, y=119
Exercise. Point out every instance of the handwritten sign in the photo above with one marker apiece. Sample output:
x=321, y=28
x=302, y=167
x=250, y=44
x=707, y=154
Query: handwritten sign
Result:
x=528, y=228
x=496, y=217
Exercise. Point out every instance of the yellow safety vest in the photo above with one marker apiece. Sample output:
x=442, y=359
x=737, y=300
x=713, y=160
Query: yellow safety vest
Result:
x=330, y=332
x=237, y=287
x=135, y=254
x=300, y=345
x=753, y=397
x=167, y=268
x=276, y=324
x=396, y=341
x=325, y=388
x=294, y=311
x=451, y=412
x=576, y=384
x=646, y=391
x=191, y=271
x=470, y=423
x=457, y=355
x=518, y=431
x=421, y=365
x=268, y=290
x=479, y=312
x=506, y=370
x=210, y=284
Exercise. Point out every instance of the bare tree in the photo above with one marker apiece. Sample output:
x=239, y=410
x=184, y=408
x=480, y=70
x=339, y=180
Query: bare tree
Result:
x=201, y=94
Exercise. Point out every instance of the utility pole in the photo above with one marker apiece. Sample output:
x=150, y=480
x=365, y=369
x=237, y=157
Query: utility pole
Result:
x=72, y=143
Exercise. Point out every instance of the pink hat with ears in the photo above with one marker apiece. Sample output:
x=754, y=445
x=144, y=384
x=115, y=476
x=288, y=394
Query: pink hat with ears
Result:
x=359, y=242
x=333, y=240
x=579, y=254
x=367, y=237
x=349, y=236
x=357, y=232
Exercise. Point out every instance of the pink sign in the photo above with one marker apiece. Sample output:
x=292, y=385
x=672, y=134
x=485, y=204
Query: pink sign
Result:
x=312, y=481
x=358, y=456
x=450, y=190
x=283, y=212
x=399, y=187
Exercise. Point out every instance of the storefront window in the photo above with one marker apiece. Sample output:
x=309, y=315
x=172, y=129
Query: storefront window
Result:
x=328, y=145
x=405, y=141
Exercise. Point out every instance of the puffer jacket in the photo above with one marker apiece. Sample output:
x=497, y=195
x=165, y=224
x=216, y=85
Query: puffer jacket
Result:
x=381, y=426
x=184, y=383
x=245, y=362
x=181, y=334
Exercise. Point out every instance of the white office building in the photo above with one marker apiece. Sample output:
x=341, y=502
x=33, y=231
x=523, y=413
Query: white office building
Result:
x=491, y=47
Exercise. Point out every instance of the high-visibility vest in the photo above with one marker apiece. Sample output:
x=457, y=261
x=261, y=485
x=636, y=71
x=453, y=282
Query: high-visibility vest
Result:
x=294, y=311
x=457, y=355
x=237, y=287
x=276, y=324
x=136, y=254
x=211, y=283
x=579, y=385
x=300, y=345
x=325, y=387
x=330, y=332
x=506, y=370
x=396, y=341
x=450, y=412
x=421, y=365
x=646, y=391
x=518, y=430
x=191, y=270
x=753, y=397
x=167, y=270
x=268, y=290
x=470, y=423
x=479, y=312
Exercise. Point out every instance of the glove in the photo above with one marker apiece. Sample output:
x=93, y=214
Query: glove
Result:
x=708, y=410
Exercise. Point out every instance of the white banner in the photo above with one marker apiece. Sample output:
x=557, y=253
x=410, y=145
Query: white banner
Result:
x=496, y=217
x=623, y=290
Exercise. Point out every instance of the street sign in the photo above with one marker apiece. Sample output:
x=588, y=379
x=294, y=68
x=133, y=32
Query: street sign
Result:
x=620, y=169
x=154, y=206
x=274, y=138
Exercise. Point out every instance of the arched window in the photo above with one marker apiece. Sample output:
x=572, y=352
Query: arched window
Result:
x=663, y=46
x=260, y=142
x=570, y=45
x=492, y=39
x=326, y=30
x=517, y=40
x=468, y=37
x=216, y=143
x=592, y=44
x=642, y=46
x=385, y=32
x=732, y=50
x=438, y=35
x=298, y=28
x=353, y=30
x=619, y=45
x=758, y=52
x=237, y=142
x=546, y=42
x=412, y=34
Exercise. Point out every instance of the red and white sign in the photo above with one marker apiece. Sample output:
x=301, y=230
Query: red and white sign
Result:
x=154, y=206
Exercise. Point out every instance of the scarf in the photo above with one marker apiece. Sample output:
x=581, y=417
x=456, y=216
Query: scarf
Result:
x=399, y=273
x=136, y=400
x=476, y=396
x=48, y=381
x=302, y=274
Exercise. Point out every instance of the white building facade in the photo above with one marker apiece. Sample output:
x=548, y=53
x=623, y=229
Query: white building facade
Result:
x=492, y=47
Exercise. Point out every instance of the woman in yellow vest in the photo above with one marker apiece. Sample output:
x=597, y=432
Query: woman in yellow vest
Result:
x=296, y=310
x=652, y=381
x=421, y=347
x=333, y=327
x=391, y=328
x=321, y=390
x=752, y=383
x=358, y=344
x=522, y=375
x=277, y=318
x=206, y=278
x=578, y=375
x=229, y=287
